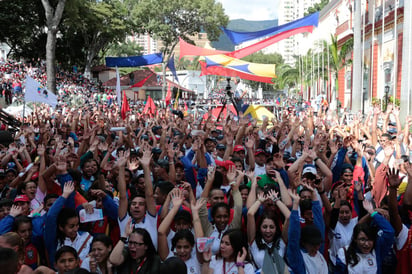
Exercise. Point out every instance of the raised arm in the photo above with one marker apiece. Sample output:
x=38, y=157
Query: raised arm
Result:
x=251, y=223
x=150, y=201
x=123, y=203
x=164, y=228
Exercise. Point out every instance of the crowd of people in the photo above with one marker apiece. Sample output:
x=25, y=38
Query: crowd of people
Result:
x=84, y=191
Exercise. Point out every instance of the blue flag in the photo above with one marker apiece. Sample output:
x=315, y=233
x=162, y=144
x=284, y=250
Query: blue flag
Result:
x=134, y=61
x=240, y=37
x=171, y=66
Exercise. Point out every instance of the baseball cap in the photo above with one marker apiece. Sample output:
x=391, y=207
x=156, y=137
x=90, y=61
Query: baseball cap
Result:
x=309, y=169
x=21, y=198
x=259, y=151
x=225, y=164
x=220, y=146
x=210, y=139
x=238, y=148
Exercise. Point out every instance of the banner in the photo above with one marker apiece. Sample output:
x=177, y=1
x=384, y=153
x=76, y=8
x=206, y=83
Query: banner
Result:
x=38, y=93
x=239, y=37
x=171, y=66
x=216, y=70
x=263, y=70
x=134, y=61
x=187, y=49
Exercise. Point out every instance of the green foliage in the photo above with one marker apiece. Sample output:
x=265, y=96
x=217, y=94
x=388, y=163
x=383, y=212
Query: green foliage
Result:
x=128, y=48
x=168, y=20
x=317, y=7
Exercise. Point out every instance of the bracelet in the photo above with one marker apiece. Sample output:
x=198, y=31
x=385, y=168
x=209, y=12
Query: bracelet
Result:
x=208, y=261
x=241, y=264
x=275, y=199
x=374, y=213
x=321, y=192
x=123, y=239
x=317, y=158
x=171, y=163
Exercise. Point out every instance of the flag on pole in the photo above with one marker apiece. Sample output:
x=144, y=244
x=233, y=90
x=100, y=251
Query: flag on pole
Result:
x=171, y=66
x=150, y=106
x=168, y=95
x=125, y=106
x=35, y=92
x=118, y=90
x=186, y=109
x=142, y=82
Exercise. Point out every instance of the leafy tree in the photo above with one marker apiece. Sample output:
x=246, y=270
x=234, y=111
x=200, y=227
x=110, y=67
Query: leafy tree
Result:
x=317, y=7
x=168, y=20
x=129, y=48
x=261, y=58
x=22, y=28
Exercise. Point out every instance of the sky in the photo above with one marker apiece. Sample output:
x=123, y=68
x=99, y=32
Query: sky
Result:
x=250, y=9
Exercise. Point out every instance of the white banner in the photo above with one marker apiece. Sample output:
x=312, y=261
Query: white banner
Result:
x=35, y=92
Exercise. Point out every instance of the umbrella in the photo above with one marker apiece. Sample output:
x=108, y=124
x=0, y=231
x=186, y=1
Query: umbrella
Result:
x=216, y=111
x=259, y=112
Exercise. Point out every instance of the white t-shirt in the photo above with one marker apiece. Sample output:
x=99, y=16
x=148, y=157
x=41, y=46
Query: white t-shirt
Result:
x=259, y=170
x=259, y=254
x=149, y=223
x=340, y=237
x=78, y=244
x=193, y=265
x=367, y=263
x=401, y=239
x=229, y=268
x=316, y=264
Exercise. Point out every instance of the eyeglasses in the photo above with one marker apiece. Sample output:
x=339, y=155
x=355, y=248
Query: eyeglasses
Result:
x=370, y=152
x=135, y=243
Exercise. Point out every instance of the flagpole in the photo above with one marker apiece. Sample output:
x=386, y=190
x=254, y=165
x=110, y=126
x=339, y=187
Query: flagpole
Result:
x=363, y=61
x=395, y=50
x=382, y=54
x=372, y=51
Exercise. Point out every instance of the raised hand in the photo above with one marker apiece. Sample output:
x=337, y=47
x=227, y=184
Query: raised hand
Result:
x=15, y=211
x=196, y=205
x=389, y=151
x=40, y=150
x=146, y=158
x=68, y=189
x=176, y=197
x=241, y=256
x=261, y=197
x=272, y=195
x=368, y=206
x=231, y=173
x=393, y=178
x=358, y=186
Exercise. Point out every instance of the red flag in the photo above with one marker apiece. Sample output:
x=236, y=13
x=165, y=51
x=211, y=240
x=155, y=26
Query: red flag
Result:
x=168, y=95
x=125, y=106
x=141, y=83
x=150, y=106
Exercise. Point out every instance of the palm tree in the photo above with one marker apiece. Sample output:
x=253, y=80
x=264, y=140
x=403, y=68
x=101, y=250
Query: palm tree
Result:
x=339, y=59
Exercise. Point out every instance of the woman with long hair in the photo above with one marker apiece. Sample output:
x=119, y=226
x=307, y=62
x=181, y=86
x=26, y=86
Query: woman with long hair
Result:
x=98, y=259
x=139, y=257
x=183, y=242
x=232, y=257
x=62, y=227
x=367, y=248
x=267, y=235
x=14, y=241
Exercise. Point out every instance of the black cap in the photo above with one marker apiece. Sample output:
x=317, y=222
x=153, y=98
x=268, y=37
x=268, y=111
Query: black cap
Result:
x=156, y=150
x=210, y=139
x=220, y=146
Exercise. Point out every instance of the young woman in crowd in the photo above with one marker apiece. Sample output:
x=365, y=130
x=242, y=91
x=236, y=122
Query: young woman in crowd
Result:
x=14, y=241
x=267, y=235
x=98, y=259
x=231, y=258
x=139, y=257
x=368, y=248
x=183, y=242
x=62, y=227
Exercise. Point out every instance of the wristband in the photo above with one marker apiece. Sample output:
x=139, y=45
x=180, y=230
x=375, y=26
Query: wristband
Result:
x=317, y=158
x=240, y=264
x=321, y=192
x=208, y=261
x=374, y=213
x=123, y=239
x=275, y=200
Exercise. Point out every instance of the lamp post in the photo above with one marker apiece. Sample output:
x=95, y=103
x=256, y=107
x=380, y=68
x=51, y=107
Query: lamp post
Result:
x=386, y=97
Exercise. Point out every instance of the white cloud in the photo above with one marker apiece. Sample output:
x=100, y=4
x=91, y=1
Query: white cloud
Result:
x=251, y=9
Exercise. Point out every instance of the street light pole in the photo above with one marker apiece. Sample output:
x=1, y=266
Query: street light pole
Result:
x=386, y=97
